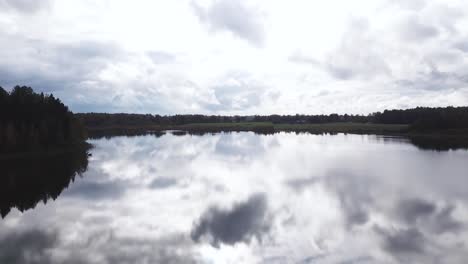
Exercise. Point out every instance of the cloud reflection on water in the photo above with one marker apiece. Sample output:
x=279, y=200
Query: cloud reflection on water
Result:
x=304, y=198
x=239, y=224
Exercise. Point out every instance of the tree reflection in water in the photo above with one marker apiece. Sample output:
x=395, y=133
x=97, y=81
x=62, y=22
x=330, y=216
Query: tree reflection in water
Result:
x=27, y=180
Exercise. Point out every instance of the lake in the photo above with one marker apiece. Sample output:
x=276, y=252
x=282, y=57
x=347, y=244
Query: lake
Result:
x=238, y=198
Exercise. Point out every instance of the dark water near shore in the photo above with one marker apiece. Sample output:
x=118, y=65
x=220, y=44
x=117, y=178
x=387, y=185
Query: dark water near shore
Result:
x=239, y=198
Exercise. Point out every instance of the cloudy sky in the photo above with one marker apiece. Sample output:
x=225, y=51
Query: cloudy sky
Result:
x=237, y=57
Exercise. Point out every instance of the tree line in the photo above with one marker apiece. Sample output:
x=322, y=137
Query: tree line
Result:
x=420, y=118
x=124, y=119
x=426, y=118
x=29, y=120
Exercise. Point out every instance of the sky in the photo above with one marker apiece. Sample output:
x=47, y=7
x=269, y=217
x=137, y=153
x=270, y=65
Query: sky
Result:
x=237, y=57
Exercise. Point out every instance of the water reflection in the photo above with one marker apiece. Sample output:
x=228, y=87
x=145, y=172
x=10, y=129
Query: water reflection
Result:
x=423, y=142
x=440, y=143
x=247, y=198
x=239, y=224
x=27, y=180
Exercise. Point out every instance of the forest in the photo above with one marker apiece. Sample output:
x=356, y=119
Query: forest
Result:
x=32, y=121
x=426, y=118
x=418, y=119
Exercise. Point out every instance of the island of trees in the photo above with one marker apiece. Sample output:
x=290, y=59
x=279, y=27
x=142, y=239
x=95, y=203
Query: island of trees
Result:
x=32, y=121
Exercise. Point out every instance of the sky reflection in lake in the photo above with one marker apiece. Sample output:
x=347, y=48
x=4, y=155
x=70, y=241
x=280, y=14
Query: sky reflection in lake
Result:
x=246, y=198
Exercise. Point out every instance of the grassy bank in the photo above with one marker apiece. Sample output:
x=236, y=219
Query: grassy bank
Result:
x=353, y=128
x=258, y=127
x=357, y=128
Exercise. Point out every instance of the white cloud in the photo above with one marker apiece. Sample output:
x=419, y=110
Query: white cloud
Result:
x=185, y=56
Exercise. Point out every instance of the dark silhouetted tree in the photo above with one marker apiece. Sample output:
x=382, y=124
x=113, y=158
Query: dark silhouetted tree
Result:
x=30, y=121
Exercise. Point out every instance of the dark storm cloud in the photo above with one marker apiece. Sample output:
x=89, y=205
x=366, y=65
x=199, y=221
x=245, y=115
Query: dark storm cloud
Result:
x=411, y=210
x=162, y=183
x=25, y=6
x=356, y=215
x=401, y=242
x=27, y=246
x=241, y=223
x=96, y=190
x=232, y=16
x=443, y=221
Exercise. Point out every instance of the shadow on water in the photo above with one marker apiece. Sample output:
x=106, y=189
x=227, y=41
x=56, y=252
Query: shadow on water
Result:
x=27, y=180
x=439, y=143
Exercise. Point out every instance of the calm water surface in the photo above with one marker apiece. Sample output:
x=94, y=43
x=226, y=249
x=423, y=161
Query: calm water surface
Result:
x=239, y=198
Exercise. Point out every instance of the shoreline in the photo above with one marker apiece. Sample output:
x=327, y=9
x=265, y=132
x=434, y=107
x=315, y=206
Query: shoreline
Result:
x=268, y=128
